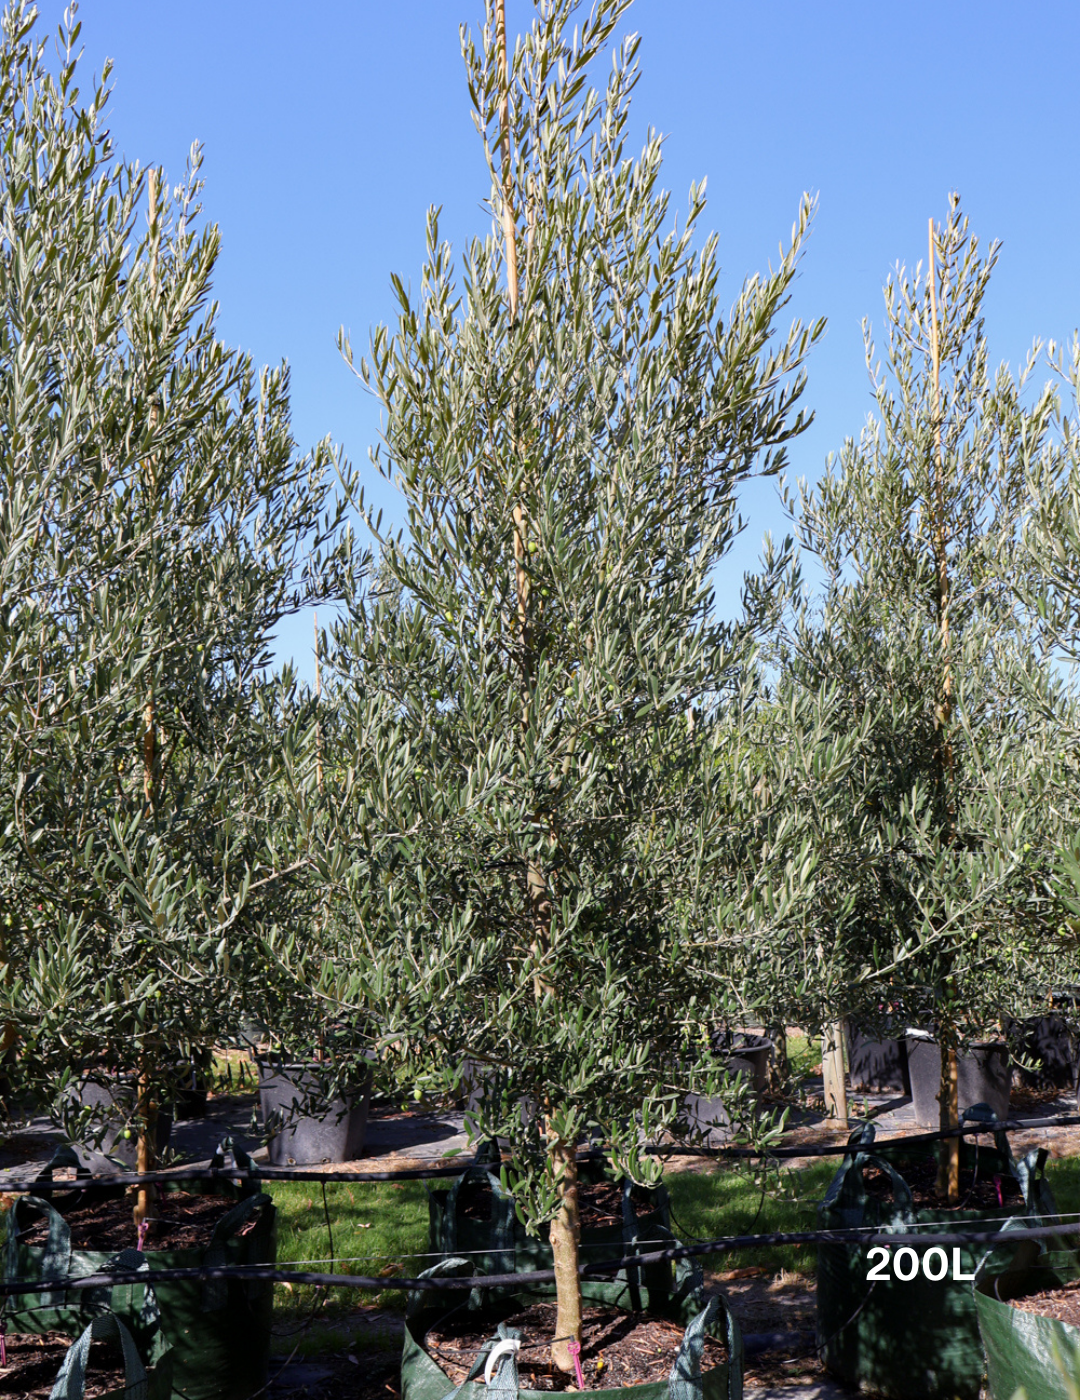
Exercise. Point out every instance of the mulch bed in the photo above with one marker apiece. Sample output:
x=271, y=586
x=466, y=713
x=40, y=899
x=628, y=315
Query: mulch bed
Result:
x=1026, y=1098
x=618, y=1348
x=33, y=1363
x=598, y=1204
x=977, y=1191
x=184, y=1221
x=1062, y=1304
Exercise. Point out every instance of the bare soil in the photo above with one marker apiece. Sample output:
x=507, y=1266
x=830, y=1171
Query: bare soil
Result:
x=618, y=1348
x=34, y=1361
x=184, y=1221
x=784, y=1303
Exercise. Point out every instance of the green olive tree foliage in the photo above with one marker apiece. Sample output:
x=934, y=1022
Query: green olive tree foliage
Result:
x=1050, y=585
x=532, y=697
x=159, y=524
x=936, y=906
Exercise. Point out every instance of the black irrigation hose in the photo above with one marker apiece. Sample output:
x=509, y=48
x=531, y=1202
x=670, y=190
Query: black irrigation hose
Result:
x=270, y=1272
x=838, y=1149
x=44, y=1186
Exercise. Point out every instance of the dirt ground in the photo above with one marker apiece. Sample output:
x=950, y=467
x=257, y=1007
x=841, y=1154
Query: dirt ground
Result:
x=367, y=1368
x=769, y=1304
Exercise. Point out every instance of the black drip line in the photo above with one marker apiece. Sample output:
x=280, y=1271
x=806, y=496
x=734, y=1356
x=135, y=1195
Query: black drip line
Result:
x=272, y=1273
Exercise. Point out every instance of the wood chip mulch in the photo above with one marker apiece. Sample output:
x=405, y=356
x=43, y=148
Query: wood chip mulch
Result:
x=33, y=1363
x=978, y=1191
x=184, y=1221
x=1062, y=1304
x=618, y=1348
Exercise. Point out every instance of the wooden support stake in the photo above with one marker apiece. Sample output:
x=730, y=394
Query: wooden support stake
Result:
x=834, y=1073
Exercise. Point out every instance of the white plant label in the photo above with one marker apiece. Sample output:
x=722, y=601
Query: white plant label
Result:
x=907, y=1265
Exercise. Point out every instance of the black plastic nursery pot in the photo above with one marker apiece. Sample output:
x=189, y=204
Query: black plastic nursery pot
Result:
x=983, y=1075
x=1025, y=1349
x=749, y=1054
x=193, y=1085
x=423, y=1379
x=902, y=1322
x=297, y=1135
x=115, y=1098
x=500, y=1245
x=1050, y=1049
x=752, y=1055
x=875, y=1064
x=746, y=1054
x=218, y=1329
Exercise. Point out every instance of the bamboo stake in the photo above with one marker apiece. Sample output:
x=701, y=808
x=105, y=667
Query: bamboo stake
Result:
x=565, y=1228
x=509, y=229
x=318, y=711
x=510, y=242
x=948, y=1183
x=940, y=539
x=536, y=885
x=145, y=1107
x=148, y=713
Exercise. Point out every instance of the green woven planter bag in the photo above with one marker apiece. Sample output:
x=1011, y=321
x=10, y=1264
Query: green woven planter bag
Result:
x=500, y=1244
x=147, y=1355
x=1026, y=1352
x=905, y=1325
x=219, y=1329
x=423, y=1379
x=149, y=1381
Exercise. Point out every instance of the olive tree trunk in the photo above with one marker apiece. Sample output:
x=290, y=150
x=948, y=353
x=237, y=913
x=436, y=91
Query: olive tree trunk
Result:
x=565, y=1242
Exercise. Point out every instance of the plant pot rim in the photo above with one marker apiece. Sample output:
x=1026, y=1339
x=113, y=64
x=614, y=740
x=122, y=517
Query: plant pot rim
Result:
x=914, y=1034
x=295, y=1066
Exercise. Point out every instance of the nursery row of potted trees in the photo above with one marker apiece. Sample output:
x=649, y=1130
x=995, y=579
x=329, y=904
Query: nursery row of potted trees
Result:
x=553, y=816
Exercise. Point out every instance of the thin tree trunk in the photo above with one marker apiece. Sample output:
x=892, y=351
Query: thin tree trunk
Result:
x=949, y=1173
x=146, y=1147
x=565, y=1242
x=948, y=1179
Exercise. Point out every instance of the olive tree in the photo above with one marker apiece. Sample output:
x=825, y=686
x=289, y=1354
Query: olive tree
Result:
x=533, y=692
x=919, y=636
x=1050, y=586
x=152, y=762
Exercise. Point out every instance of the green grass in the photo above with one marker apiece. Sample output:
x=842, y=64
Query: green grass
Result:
x=383, y=1228
x=729, y=1201
x=804, y=1056
x=1063, y=1174
x=233, y=1072
x=375, y=1228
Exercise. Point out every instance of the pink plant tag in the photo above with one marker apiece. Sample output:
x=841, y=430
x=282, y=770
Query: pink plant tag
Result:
x=997, y=1187
x=574, y=1348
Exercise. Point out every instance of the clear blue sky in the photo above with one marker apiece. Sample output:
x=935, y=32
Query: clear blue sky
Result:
x=329, y=128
